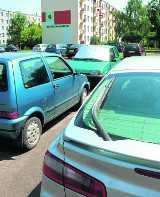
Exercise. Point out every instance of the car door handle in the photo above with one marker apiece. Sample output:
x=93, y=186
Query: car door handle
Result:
x=56, y=86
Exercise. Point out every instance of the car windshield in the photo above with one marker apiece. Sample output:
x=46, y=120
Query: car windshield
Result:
x=128, y=110
x=93, y=53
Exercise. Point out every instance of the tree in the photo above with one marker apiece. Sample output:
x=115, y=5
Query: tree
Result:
x=95, y=40
x=17, y=25
x=31, y=35
x=133, y=23
x=154, y=17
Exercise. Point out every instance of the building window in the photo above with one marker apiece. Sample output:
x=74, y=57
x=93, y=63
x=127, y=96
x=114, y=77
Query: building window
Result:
x=3, y=27
x=6, y=14
x=2, y=34
x=1, y=20
x=91, y=19
x=7, y=21
x=91, y=29
x=88, y=18
x=87, y=7
x=1, y=13
x=87, y=28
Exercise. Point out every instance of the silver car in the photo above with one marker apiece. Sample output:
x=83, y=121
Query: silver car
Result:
x=39, y=47
x=112, y=146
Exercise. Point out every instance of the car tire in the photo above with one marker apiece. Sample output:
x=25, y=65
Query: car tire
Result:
x=83, y=97
x=31, y=133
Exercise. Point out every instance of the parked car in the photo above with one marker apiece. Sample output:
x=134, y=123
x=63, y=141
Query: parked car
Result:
x=95, y=61
x=11, y=48
x=2, y=49
x=57, y=48
x=34, y=89
x=73, y=49
x=111, y=147
x=39, y=47
x=118, y=45
x=134, y=49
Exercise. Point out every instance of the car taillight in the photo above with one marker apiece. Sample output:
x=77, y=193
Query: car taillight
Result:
x=56, y=46
x=9, y=115
x=72, y=178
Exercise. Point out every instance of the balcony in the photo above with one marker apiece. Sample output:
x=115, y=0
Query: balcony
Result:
x=81, y=1
x=83, y=10
x=83, y=21
x=82, y=41
x=101, y=11
x=83, y=32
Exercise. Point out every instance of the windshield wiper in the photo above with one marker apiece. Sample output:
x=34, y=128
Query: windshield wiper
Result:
x=97, y=106
x=87, y=59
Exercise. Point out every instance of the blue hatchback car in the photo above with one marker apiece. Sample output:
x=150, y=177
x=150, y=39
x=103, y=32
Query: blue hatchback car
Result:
x=34, y=89
x=56, y=48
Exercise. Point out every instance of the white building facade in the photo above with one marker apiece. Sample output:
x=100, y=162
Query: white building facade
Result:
x=76, y=21
x=5, y=17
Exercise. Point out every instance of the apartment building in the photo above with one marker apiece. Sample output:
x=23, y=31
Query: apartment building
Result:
x=5, y=17
x=75, y=21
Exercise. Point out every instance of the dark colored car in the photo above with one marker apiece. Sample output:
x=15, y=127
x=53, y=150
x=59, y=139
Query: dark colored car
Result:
x=73, y=49
x=59, y=49
x=118, y=45
x=134, y=49
x=11, y=48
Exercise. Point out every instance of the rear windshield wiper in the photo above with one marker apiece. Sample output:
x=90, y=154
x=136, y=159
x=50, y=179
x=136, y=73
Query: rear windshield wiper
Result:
x=97, y=106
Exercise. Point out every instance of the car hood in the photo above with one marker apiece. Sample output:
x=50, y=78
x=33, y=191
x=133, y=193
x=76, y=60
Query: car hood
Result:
x=87, y=66
x=139, y=152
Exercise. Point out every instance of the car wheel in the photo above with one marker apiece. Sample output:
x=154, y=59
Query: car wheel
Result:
x=31, y=133
x=83, y=97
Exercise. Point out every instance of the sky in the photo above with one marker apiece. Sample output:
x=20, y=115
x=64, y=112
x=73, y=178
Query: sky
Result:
x=34, y=6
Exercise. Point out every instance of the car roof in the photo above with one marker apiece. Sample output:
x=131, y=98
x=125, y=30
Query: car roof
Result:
x=93, y=52
x=138, y=64
x=19, y=55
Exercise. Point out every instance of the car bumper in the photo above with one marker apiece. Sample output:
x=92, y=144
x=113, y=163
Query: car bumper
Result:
x=11, y=128
x=50, y=188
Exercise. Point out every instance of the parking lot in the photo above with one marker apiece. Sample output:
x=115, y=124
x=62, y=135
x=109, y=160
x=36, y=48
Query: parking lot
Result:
x=21, y=171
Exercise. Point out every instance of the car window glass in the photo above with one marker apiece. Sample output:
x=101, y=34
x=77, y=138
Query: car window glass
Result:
x=58, y=67
x=33, y=72
x=3, y=78
x=132, y=103
x=116, y=52
x=112, y=55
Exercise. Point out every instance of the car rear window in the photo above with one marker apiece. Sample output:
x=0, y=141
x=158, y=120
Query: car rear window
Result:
x=3, y=78
x=51, y=46
x=130, y=110
x=132, y=46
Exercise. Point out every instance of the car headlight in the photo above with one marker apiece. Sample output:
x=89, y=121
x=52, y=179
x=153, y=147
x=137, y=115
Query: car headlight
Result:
x=94, y=72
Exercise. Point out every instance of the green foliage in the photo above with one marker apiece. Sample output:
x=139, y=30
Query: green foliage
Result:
x=22, y=35
x=95, y=40
x=154, y=17
x=31, y=36
x=132, y=25
x=17, y=24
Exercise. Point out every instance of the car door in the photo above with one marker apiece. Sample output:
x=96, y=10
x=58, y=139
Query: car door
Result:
x=34, y=87
x=65, y=84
